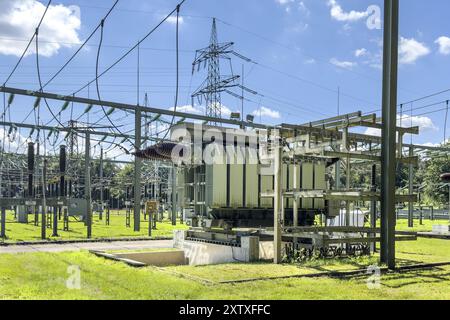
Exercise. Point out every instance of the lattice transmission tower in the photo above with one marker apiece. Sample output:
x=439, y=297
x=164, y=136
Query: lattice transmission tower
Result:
x=215, y=83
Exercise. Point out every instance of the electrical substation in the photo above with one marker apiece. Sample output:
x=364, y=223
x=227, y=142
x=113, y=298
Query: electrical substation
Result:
x=269, y=192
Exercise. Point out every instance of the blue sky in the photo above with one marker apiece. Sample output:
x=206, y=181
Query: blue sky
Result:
x=303, y=51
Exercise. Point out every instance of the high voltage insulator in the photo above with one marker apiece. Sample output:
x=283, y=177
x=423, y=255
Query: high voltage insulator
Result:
x=10, y=99
x=88, y=108
x=53, y=132
x=110, y=111
x=37, y=102
x=65, y=106
x=30, y=157
x=62, y=159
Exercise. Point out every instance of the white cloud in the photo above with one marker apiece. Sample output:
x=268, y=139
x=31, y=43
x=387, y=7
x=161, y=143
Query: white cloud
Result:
x=299, y=27
x=226, y=112
x=343, y=64
x=339, y=14
x=284, y=2
x=310, y=61
x=14, y=140
x=173, y=20
x=444, y=45
x=266, y=112
x=188, y=109
x=410, y=50
x=431, y=144
x=424, y=123
x=373, y=132
x=289, y=4
x=361, y=52
x=19, y=19
x=405, y=121
x=196, y=109
x=302, y=7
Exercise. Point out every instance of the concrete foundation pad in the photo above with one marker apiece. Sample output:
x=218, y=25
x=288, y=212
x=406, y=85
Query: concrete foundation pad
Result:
x=158, y=258
x=203, y=253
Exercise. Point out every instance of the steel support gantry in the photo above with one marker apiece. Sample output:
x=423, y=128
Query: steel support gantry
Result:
x=388, y=136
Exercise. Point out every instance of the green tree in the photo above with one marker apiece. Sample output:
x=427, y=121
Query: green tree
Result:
x=433, y=190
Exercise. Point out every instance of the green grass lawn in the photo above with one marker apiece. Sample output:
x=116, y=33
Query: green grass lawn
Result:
x=77, y=230
x=28, y=232
x=44, y=275
x=408, y=252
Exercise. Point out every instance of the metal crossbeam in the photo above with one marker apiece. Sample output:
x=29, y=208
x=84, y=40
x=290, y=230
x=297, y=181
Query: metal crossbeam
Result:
x=127, y=107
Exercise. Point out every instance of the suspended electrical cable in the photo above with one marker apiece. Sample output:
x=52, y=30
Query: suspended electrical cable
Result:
x=177, y=76
x=132, y=48
x=418, y=99
x=177, y=10
x=428, y=96
x=40, y=80
x=320, y=86
x=296, y=50
x=82, y=45
x=97, y=84
x=29, y=44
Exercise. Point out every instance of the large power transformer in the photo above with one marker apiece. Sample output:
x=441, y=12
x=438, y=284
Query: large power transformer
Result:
x=230, y=193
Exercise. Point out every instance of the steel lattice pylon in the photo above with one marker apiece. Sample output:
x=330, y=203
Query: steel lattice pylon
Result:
x=213, y=101
x=215, y=83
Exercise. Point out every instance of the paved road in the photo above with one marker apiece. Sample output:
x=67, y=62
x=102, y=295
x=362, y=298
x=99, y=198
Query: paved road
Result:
x=116, y=245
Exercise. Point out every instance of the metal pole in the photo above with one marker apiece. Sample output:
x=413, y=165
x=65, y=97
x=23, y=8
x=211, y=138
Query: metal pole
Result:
x=30, y=168
x=137, y=172
x=449, y=203
x=174, y=195
x=347, y=203
x=3, y=224
x=44, y=202
x=55, y=221
x=295, y=201
x=411, y=191
x=277, y=202
x=373, y=206
x=87, y=184
x=101, y=184
x=388, y=139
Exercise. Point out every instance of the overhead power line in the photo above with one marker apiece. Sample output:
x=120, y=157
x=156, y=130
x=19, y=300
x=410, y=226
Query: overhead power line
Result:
x=131, y=49
x=28, y=45
x=177, y=68
x=82, y=45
